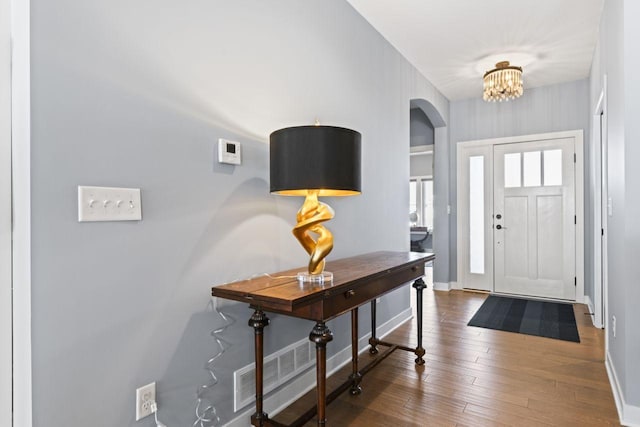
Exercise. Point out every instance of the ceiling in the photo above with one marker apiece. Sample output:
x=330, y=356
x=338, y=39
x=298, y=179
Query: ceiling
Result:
x=453, y=42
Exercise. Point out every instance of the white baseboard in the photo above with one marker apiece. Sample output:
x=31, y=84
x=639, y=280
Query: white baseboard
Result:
x=588, y=303
x=590, y=306
x=629, y=414
x=439, y=286
x=454, y=285
x=292, y=391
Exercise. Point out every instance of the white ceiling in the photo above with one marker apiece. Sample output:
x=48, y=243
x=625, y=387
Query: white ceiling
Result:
x=453, y=42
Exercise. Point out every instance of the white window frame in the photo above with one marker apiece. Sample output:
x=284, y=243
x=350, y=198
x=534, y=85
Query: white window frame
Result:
x=419, y=196
x=21, y=206
x=465, y=278
x=421, y=150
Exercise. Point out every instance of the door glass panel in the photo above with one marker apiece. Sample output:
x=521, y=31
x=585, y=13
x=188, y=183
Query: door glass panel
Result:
x=552, y=167
x=532, y=169
x=512, y=171
x=476, y=214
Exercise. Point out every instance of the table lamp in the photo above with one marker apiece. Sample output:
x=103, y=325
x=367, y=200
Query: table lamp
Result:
x=315, y=161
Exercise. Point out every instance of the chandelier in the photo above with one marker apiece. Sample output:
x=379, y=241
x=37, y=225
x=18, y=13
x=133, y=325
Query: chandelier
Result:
x=502, y=83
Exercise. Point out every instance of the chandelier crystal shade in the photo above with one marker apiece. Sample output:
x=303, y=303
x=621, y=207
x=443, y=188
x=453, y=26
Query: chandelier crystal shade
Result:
x=502, y=83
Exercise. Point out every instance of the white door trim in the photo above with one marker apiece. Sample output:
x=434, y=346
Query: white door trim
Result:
x=5, y=217
x=577, y=135
x=599, y=138
x=21, y=173
x=601, y=262
x=465, y=279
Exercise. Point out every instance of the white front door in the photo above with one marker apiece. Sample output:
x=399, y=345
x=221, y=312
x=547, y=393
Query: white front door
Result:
x=5, y=216
x=534, y=212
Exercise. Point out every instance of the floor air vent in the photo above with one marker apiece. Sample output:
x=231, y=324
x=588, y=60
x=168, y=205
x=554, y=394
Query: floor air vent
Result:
x=279, y=367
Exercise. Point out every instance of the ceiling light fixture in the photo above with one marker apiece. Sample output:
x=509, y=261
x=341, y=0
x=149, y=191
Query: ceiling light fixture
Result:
x=502, y=83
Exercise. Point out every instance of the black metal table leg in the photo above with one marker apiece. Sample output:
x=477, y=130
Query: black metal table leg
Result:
x=321, y=335
x=355, y=376
x=419, y=286
x=373, y=341
x=258, y=322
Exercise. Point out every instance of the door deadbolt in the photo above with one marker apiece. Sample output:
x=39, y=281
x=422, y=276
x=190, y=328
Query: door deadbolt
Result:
x=498, y=216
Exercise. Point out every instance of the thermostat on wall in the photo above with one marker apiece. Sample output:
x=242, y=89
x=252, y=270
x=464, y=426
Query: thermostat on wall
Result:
x=229, y=152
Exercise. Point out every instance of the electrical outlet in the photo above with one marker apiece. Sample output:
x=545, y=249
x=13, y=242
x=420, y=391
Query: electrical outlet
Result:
x=145, y=396
x=613, y=325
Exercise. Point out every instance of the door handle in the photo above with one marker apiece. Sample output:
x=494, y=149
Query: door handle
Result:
x=499, y=227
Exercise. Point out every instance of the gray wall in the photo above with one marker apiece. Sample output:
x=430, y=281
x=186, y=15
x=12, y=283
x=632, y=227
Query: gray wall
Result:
x=619, y=29
x=632, y=202
x=137, y=94
x=421, y=165
x=5, y=215
x=441, y=216
x=421, y=129
x=544, y=109
x=421, y=134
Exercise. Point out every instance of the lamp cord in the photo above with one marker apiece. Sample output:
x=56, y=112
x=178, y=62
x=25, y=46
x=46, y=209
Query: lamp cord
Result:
x=206, y=413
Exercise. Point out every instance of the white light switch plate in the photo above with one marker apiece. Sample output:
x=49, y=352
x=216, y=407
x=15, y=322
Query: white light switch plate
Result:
x=108, y=204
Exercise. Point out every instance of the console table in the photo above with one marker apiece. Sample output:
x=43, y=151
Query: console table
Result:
x=357, y=281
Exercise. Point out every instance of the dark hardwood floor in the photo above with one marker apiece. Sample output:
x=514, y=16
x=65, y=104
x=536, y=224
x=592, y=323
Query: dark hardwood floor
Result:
x=479, y=377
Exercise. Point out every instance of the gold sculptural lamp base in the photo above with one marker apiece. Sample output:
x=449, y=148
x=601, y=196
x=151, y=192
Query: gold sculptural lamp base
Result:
x=310, y=218
x=314, y=161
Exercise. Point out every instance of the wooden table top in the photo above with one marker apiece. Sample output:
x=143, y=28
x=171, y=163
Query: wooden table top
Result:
x=281, y=292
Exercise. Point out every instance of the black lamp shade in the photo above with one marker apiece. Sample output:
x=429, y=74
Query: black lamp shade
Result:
x=324, y=158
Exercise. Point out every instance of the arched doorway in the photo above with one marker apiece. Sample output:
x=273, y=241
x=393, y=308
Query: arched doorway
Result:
x=429, y=182
x=421, y=181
